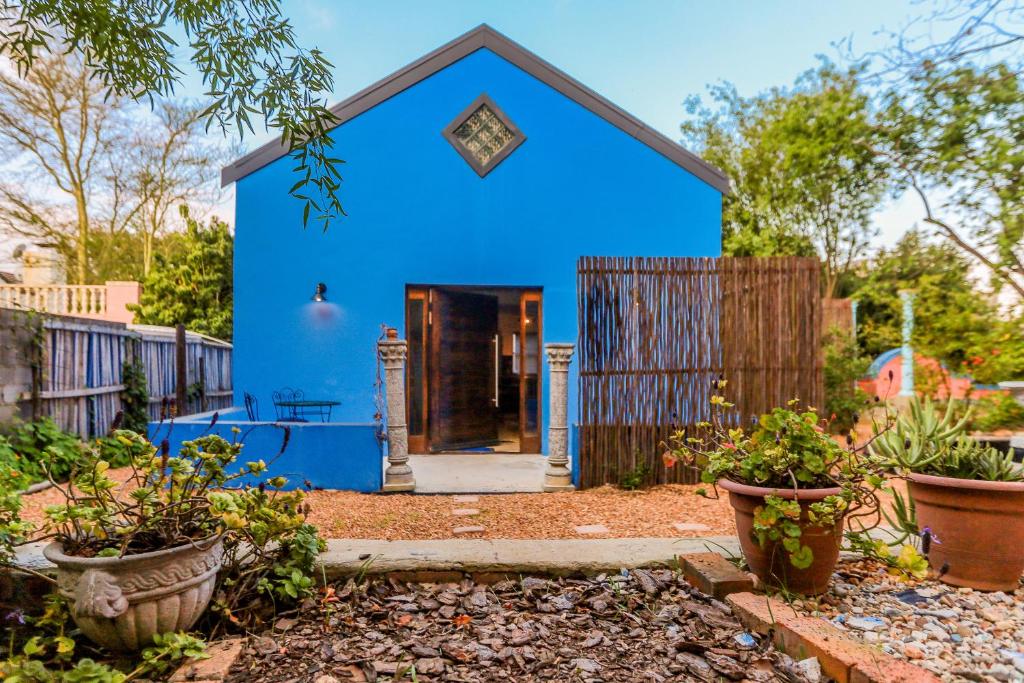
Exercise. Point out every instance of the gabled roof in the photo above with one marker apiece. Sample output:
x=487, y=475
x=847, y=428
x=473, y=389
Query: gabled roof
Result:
x=484, y=36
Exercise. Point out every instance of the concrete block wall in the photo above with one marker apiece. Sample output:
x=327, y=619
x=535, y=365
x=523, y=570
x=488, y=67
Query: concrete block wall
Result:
x=15, y=369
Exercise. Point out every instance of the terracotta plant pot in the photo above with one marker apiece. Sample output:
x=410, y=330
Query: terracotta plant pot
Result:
x=771, y=563
x=978, y=527
x=122, y=602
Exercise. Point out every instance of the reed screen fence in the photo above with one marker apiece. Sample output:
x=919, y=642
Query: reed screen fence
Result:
x=656, y=332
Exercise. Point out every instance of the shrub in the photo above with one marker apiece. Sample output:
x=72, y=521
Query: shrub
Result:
x=995, y=411
x=844, y=365
x=785, y=449
x=42, y=447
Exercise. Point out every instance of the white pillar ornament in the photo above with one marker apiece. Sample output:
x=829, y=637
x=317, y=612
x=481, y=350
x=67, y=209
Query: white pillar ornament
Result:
x=398, y=475
x=557, y=476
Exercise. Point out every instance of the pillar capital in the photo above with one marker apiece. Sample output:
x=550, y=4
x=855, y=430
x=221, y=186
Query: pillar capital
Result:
x=559, y=355
x=393, y=352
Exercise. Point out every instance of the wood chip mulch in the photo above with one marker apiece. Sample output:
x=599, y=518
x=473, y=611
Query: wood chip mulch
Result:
x=639, y=626
x=646, y=513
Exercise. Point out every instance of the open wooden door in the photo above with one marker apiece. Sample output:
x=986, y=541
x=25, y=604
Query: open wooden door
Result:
x=463, y=369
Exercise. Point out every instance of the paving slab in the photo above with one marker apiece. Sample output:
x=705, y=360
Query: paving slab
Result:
x=468, y=530
x=465, y=512
x=478, y=472
x=514, y=556
x=690, y=526
x=466, y=499
x=588, y=529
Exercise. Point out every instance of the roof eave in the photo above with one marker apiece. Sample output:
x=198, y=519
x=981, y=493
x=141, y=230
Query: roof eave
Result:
x=484, y=36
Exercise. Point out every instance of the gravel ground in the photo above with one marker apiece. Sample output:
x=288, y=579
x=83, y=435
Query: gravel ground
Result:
x=638, y=626
x=647, y=513
x=958, y=633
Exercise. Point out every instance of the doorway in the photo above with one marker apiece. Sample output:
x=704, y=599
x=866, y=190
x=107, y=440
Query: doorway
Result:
x=473, y=379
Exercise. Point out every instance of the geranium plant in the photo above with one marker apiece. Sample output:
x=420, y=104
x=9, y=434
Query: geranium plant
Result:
x=787, y=448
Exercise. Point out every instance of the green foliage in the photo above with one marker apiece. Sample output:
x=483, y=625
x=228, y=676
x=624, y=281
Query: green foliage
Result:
x=135, y=397
x=40, y=448
x=844, y=365
x=995, y=411
x=634, y=479
x=44, y=651
x=192, y=283
x=788, y=450
x=927, y=442
x=804, y=181
x=947, y=304
x=245, y=50
x=954, y=131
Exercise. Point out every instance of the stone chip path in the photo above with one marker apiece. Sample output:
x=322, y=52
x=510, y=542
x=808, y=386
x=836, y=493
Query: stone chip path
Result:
x=958, y=633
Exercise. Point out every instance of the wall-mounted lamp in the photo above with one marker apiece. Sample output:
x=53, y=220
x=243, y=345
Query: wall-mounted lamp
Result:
x=319, y=292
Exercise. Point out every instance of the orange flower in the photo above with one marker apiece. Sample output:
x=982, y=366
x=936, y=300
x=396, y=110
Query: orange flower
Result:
x=668, y=459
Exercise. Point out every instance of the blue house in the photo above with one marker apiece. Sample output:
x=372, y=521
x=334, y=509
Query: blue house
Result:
x=475, y=178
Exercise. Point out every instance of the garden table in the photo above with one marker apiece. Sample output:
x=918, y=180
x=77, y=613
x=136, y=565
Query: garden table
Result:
x=299, y=409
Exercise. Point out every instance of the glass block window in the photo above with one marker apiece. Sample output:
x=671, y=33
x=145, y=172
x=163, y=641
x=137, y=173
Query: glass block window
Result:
x=483, y=135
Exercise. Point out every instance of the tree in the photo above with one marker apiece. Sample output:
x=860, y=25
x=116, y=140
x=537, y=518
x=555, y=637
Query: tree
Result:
x=245, y=51
x=950, y=310
x=956, y=137
x=803, y=179
x=58, y=128
x=166, y=164
x=191, y=284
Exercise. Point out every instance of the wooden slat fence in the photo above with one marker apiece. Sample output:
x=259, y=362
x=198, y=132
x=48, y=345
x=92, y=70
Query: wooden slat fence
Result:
x=656, y=332
x=209, y=369
x=837, y=314
x=77, y=375
x=81, y=373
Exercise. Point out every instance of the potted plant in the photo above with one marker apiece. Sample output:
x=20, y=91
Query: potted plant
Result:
x=791, y=486
x=968, y=498
x=140, y=558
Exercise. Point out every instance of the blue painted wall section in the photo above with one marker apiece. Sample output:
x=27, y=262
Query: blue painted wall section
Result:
x=418, y=214
x=334, y=456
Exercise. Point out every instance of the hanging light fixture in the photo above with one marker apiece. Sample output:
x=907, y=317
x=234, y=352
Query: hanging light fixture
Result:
x=319, y=292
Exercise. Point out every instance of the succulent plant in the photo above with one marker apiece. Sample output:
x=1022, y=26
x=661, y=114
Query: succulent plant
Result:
x=919, y=438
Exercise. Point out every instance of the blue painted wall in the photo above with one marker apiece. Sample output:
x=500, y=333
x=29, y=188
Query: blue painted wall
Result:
x=417, y=213
x=333, y=456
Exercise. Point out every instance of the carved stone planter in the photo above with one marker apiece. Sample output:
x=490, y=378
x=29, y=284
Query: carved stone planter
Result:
x=122, y=602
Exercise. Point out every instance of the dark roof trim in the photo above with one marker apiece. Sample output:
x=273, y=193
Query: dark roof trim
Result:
x=484, y=36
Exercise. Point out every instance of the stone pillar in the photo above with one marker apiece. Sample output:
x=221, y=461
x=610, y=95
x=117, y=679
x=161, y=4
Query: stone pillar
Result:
x=557, y=476
x=907, y=351
x=398, y=475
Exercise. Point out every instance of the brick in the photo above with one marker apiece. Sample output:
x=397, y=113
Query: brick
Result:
x=891, y=671
x=841, y=657
x=214, y=668
x=712, y=574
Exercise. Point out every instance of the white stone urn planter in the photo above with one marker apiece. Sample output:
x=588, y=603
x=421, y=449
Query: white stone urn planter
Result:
x=122, y=602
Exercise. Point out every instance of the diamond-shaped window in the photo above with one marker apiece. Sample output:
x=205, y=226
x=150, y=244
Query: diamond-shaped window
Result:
x=483, y=135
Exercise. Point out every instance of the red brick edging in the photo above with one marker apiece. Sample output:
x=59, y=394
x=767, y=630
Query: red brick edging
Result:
x=214, y=668
x=841, y=657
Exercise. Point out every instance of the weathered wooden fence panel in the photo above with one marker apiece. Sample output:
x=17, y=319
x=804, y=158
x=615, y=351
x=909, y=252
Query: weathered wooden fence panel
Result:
x=837, y=314
x=71, y=369
x=656, y=332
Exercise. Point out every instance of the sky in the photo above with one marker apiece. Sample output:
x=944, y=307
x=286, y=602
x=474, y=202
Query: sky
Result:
x=647, y=56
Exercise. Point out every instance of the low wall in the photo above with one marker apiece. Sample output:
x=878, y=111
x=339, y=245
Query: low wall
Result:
x=329, y=455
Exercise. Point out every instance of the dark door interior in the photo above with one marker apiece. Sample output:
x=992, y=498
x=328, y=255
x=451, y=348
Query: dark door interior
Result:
x=463, y=335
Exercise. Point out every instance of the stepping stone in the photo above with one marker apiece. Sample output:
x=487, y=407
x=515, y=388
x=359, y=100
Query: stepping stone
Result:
x=465, y=512
x=588, y=529
x=459, y=530
x=466, y=499
x=687, y=526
